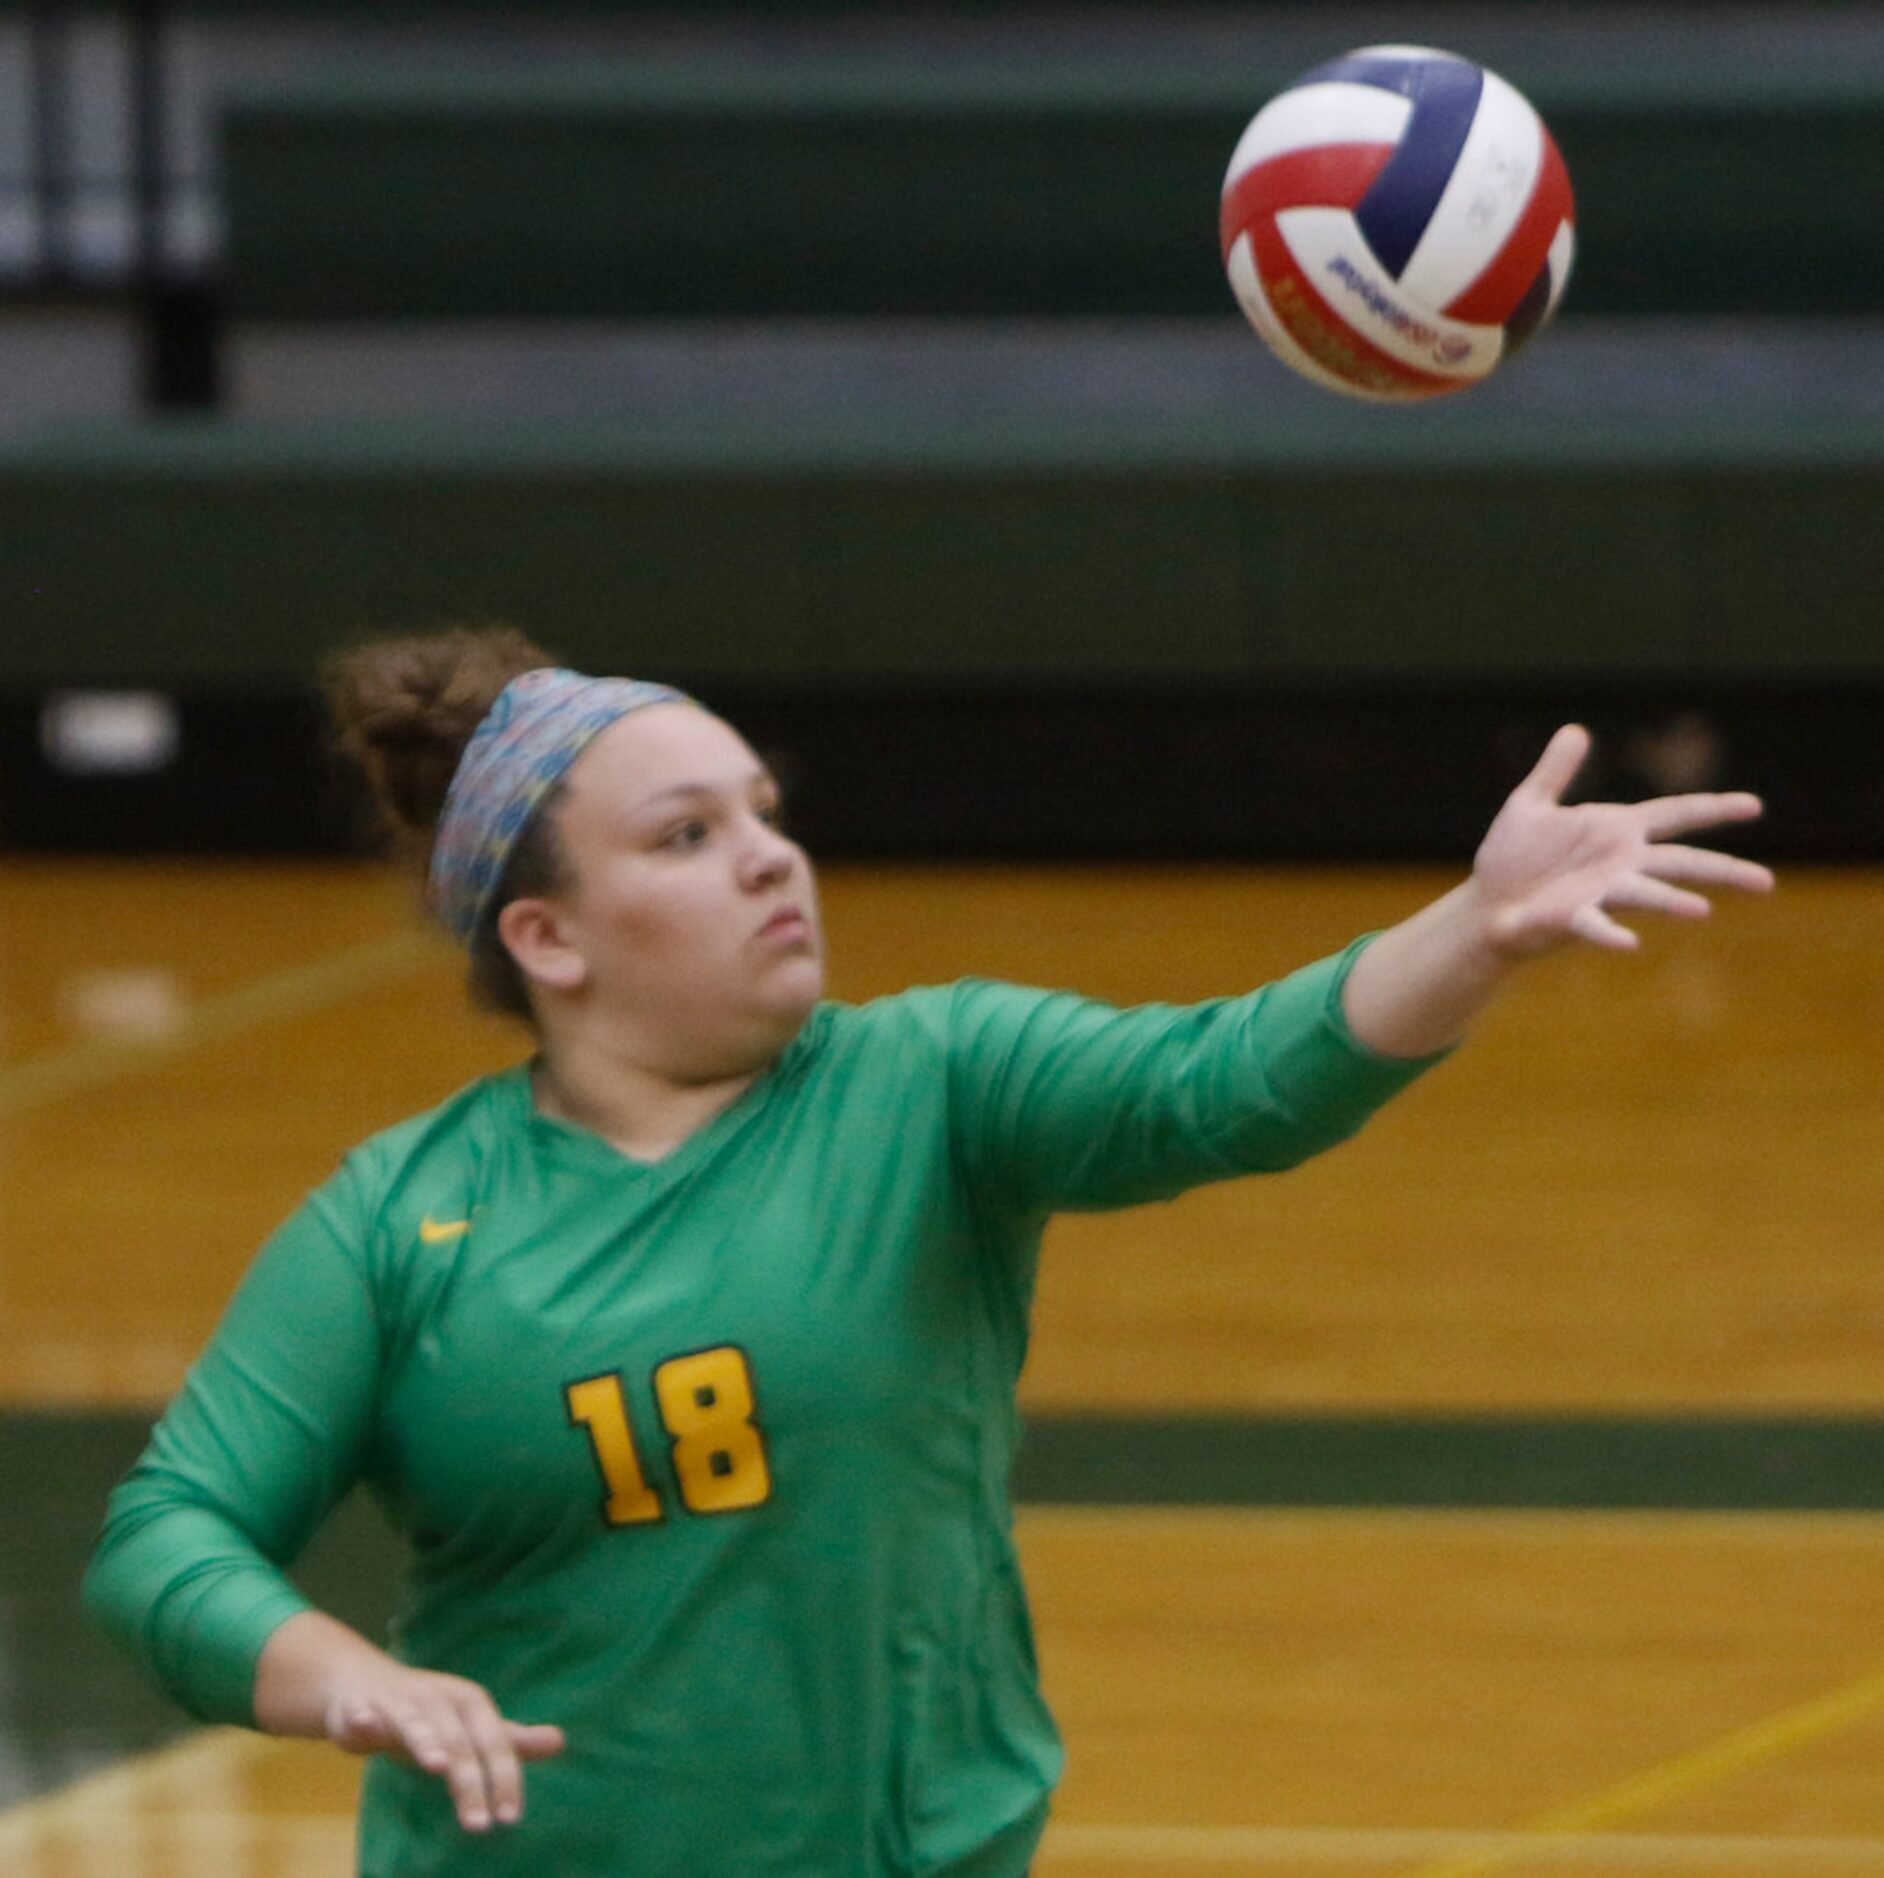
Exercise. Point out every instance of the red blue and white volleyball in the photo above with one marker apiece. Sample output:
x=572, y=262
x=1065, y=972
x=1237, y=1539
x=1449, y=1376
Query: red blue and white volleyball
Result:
x=1397, y=223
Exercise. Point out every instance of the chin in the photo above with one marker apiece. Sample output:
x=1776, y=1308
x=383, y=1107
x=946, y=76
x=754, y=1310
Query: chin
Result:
x=796, y=991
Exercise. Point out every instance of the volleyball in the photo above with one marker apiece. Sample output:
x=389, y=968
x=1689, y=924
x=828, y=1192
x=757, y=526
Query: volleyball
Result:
x=1397, y=223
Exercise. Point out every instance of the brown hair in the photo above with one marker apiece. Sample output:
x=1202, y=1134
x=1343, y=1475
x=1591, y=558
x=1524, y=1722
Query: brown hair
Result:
x=404, y=709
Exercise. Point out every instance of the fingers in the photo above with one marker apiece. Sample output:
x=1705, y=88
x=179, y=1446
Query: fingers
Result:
x=1679, y=815
x=1703, y=867
x=1591, y=923
x=1645, y=892
x=439, y=1742
x=1557, y=768
x=536, y=1741
x=457, y=1760
x=503, y=1775
x=483, y=1771
x=1567, y=752
x=454, y=1731
x=1640, y=893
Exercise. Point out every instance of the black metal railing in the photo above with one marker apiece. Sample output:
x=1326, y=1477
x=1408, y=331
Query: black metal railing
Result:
x=95, y=214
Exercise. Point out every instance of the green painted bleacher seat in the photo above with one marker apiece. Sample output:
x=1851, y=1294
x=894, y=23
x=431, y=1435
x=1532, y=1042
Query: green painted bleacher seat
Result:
x=1084, y=185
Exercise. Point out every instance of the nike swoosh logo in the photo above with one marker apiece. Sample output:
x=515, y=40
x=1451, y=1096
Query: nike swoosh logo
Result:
x=440, y=1231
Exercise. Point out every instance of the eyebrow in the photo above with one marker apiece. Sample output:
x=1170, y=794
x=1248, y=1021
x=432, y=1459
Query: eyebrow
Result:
x=708, y=790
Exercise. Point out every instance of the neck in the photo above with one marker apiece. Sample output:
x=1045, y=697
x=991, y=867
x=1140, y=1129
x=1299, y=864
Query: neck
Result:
x=645, y=1113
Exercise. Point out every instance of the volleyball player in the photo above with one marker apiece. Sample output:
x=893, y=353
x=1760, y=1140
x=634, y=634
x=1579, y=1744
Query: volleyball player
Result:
x=684, y=1354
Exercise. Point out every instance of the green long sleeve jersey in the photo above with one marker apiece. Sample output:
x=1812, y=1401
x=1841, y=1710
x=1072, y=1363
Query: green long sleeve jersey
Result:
x=706, y=1460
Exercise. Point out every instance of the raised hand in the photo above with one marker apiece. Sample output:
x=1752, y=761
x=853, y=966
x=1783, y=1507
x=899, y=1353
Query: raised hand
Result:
x=1548, y=873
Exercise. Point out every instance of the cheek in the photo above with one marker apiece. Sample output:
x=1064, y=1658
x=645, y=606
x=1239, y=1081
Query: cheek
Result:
x=626, y=916
x=676, y=929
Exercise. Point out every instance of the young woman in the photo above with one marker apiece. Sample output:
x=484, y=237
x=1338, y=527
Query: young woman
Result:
x=685, y=1354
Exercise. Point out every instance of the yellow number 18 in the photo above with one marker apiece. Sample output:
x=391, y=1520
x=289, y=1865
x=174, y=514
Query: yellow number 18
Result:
x=706, y=1401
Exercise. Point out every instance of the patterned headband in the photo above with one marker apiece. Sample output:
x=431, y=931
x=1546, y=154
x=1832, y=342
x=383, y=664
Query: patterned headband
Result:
x=537, y=728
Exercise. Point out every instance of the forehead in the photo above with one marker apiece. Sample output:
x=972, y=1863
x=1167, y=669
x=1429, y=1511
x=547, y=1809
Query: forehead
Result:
x=661, y=747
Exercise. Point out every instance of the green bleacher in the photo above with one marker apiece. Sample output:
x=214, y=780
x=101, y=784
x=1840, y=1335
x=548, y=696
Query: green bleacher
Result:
x=1306, y=541
x=871, y=186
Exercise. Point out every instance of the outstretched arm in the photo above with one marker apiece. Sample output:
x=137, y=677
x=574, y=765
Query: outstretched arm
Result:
x=1546, y=875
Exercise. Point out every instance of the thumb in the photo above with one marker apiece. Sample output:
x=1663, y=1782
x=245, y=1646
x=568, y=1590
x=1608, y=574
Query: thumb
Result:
x=536, y=1741
x=1556, y=769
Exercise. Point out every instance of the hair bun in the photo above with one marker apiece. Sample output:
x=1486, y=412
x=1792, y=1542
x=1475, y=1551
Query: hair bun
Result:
x=404, y=709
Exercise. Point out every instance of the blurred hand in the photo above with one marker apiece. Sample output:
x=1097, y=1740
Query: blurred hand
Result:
x=447, y=1726
x=320, y=1680
x=1547, y=874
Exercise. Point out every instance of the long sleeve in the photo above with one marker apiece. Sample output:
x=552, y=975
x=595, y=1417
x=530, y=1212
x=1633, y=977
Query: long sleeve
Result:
x=1063, y=1103
x=266, y=1434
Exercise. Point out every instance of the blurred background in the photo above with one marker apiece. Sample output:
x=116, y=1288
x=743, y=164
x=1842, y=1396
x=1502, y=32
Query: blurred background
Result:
x=870, y=371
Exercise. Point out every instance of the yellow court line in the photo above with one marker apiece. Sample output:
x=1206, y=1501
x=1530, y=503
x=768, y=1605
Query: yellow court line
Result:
x=120, y=1808
x=1293, y=1848
x=271, y=1000
x=110, y=1813
x=1748, y=1748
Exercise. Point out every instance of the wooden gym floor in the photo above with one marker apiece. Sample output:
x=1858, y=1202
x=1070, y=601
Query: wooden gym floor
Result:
x=1602, y=1292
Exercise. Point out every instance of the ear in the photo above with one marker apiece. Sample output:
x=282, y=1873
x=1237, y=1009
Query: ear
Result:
x=538, y=936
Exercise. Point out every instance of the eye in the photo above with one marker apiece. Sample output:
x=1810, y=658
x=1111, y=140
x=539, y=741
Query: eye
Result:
x=772, y=814
x=688, y=834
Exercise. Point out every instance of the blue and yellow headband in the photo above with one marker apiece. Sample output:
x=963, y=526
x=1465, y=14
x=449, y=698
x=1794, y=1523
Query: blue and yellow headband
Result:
x=537, y=728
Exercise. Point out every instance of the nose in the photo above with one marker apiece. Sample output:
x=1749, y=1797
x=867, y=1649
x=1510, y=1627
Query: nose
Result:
x=769, y=858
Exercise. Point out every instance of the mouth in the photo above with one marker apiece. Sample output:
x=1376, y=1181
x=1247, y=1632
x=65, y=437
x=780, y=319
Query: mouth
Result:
x=788, y=924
